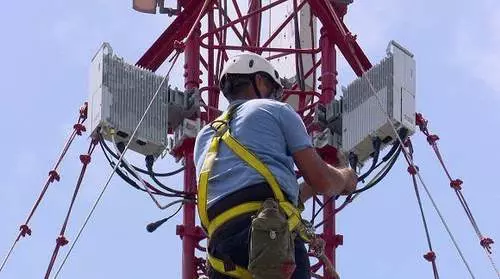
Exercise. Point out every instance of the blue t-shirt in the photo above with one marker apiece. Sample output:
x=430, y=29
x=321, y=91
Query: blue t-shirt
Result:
x=273, y=131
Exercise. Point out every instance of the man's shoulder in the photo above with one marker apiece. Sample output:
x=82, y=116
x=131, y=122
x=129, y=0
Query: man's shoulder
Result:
x=264, y=101
x=265, y=104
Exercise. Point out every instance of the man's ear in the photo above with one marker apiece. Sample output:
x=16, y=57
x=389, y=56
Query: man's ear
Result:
x=259, y=78
x=260, y=83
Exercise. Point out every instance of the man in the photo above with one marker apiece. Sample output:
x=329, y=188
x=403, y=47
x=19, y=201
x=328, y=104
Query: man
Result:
x=274, y=135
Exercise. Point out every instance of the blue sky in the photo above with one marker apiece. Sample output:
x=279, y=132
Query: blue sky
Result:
x=46, y=51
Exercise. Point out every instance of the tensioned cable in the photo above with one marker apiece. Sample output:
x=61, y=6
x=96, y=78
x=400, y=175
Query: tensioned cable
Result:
x=408, y=159
x=116, y=166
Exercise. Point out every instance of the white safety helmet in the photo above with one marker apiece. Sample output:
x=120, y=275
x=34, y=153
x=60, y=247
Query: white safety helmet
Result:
x=248, y=63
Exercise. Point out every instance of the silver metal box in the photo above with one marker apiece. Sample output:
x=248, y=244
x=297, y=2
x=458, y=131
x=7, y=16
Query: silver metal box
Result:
x=119, y=96
x=364, y=116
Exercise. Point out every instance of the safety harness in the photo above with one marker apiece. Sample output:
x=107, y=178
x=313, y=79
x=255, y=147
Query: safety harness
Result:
x=223, y=133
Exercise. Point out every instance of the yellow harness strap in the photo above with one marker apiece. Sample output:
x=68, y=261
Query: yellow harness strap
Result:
x=238, y=272
x=221, y=126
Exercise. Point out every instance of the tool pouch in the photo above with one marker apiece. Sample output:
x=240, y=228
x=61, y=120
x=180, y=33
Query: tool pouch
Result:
x=271, y=249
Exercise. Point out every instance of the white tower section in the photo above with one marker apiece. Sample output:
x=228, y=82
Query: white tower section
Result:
x=286, y=65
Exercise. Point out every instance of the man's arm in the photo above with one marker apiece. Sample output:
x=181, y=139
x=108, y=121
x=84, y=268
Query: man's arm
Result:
x=323, y=178
x=306, y=192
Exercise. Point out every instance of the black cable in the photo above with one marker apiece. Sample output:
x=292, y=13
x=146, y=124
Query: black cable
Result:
x=149, y=165
x=121, y=146
x=140, y=169
x=370, y=185
x=396, y=148
x=347, y=200
x=153, y=226
x=402, y=133
x=353, y=160
x=377, y=143
x=125, y=177
x=130, y=181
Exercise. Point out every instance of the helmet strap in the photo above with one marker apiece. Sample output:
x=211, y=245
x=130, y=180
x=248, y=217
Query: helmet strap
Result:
x=254, y=84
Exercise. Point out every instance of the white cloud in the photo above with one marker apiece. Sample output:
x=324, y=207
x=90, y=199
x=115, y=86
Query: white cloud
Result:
x=373, y=23
x=66, y=28
x=477, y=46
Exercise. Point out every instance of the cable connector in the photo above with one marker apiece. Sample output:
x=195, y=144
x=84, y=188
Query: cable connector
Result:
x=430, y=256
x=150, y=159
x=53, y=175
x=79, y=128
x=456, y=184
x=413, y=170
x=84, y=110
x=179, y=46
x=431, y=139
x=421, y=122
x=353, y=160
x=61, y=240
x=25, y=230
x=486, y=243
x=85, y=159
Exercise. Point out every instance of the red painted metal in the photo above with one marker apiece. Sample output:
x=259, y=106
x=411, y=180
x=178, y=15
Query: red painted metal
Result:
x=243, y=25
x=177, y=30
x=213, y=97
x=247, y=29
x=311, y=71
x=341, y=35
x=328, y=83
x=243, y=18
x=283, y=24
x=254, y=22
x=189, y=241
x=328, y=68
x=261, y=49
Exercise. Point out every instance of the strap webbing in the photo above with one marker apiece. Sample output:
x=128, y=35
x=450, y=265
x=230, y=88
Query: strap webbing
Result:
x=221, y=126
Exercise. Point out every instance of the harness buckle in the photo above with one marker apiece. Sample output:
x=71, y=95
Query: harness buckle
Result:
x=221, y=127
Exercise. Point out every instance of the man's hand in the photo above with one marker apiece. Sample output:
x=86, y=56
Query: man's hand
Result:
x=341, y=160
x=351, y=180
x=350, y=177
x=323, y=178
